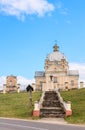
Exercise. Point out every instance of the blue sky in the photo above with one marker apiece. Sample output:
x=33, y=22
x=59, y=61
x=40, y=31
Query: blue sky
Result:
x=29, y=28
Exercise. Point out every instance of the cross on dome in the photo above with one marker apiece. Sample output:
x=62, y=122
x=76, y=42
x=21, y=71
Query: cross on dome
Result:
x=55, y=48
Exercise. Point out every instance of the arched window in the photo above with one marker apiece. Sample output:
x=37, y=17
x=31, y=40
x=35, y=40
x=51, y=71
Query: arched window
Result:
x=10, y=82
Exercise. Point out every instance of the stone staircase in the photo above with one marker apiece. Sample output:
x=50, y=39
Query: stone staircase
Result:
x=51, y=106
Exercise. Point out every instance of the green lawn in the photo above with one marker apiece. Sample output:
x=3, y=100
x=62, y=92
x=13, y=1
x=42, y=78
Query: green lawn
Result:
x=77, y=98
x=17, y=105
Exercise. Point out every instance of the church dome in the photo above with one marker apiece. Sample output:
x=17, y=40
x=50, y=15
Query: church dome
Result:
x=56, y=55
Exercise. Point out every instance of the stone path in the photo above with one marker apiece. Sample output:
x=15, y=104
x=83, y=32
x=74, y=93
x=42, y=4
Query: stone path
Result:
x=53, y=120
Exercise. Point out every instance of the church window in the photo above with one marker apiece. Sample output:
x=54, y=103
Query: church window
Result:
x=66, y=87
x=55, y=79
x=72, y=82
x=66, y=83
x=41, y=84
x=10, y=82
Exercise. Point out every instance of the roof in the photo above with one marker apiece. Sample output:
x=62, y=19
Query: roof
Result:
x=39, y=74
x=73, y=73
x=56, y=56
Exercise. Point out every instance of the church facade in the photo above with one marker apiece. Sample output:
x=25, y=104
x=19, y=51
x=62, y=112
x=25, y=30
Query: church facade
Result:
x=56, y=74
x=11, y=85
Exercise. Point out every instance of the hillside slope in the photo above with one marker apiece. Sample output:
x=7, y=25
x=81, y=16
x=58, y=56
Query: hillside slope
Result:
x=77, y=98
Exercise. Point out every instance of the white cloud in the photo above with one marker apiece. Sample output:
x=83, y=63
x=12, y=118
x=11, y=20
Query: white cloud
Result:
x=2, y=81
x=61, y=8
x=20, y=8
x=64, y=11
x=24, y=81
x=80, y=67
x=20, y=80
x=59, y=5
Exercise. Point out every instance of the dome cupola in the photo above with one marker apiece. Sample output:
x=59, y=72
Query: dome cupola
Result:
x=56, y=55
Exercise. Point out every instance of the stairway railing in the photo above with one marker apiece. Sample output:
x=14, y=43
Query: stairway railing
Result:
x=65, y=105
x=41, y=99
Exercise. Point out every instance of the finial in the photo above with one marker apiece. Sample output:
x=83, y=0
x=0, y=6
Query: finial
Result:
x=56, y=47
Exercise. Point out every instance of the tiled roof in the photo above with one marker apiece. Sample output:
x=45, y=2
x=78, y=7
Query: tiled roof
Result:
x=73, y=72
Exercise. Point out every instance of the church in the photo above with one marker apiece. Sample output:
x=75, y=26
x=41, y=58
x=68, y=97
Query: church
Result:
x=56, y=74
x=11, y=85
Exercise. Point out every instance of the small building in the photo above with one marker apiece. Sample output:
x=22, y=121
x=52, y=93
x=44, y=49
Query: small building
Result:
x=56, y=74
x=11, y=84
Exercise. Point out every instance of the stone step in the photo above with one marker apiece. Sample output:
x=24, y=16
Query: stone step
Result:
x=53, y=115
x=48, y=94
x=50, y=103
x=51, y=106
x=50, y=91
x=51, y=98
x=52, y=112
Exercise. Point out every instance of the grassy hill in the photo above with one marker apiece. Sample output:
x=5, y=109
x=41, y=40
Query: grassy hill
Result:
x=17, y=105
x=77, y=98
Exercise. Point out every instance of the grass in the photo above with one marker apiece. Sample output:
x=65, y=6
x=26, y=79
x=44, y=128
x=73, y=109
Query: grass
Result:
x=16, y=105
x=77, y=98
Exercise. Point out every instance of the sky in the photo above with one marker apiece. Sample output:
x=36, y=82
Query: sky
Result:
x=30, y=28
